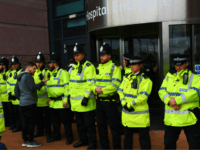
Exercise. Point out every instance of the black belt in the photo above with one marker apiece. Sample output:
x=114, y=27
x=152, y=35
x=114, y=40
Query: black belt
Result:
x=57, y=98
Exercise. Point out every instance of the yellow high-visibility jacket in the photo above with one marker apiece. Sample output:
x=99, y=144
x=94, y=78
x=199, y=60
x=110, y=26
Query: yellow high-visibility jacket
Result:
x=58, y=85
x=80, y=86
x=109, y=78
x=186, y=95
x=3, y=87
x=137, y=99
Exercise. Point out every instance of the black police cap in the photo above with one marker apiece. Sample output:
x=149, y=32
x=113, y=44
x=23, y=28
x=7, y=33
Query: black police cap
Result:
x=135, y=60
x=127, y=56
x=4, y=61
x=180, y=59
x=14, y=60
x=54, y=58
x=78, y=49
x=105, y=49
x=40, y=57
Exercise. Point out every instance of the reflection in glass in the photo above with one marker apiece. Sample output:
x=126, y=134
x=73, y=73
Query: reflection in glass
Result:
x=57, y=29
x=114, y=43
x=179, y=41
x=74, y=27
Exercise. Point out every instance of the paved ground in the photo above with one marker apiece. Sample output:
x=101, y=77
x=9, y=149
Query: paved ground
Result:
x=14, y=140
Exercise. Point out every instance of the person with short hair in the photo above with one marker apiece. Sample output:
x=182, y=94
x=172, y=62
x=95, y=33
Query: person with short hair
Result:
x=26, y=92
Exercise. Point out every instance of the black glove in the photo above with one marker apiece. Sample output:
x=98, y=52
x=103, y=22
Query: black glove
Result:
x=196, y=112
x=84, y=101
x=11, y=97
x=128, y=109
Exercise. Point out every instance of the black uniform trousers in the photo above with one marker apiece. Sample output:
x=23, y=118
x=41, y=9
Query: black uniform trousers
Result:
x=28, y=116
x=63, y=116
x=9, y=114
x=44, y=120
x=192, y=134
x=17, y=117
x=144, y=138
x=86, y=124
x=107, y=114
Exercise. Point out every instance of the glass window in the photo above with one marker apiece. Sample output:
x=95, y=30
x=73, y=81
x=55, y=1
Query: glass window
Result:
x=67, y=7
x=58, y=49
x=57, y=29
x=74, y=27
x=114, y=43
x=197, y=47
x=179, y=41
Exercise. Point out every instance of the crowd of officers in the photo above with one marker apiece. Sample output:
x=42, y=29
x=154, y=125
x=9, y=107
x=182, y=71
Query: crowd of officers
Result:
x=97, y=92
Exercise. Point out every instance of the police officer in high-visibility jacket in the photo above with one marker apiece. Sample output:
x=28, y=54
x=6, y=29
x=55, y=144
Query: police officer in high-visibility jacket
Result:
x=126, y=70
x=8, y=109
x=108, y=79
x=82, y=99
x=11, y=82
x=134, y=92
x=58, y=90
x=43, y=110
x=2, y=122
x=180, y=94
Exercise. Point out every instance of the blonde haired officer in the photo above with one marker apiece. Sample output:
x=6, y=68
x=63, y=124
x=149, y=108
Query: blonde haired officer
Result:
x=108, y=80
x=43, y=110
x=83, y=101
x=7, y=105
x=134, y=92
x=58, y=91
x=11, y=82
x=180, y=94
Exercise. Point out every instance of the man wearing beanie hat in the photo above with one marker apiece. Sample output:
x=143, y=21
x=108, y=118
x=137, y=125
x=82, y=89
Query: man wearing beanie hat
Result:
x=43, y=110
x=134, y=92
x=8, y=108
x=11, y=82
x=180, y=94
x=108, y=80
x=58, y=91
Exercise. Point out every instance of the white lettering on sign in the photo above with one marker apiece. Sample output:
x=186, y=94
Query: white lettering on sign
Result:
x=126, y=6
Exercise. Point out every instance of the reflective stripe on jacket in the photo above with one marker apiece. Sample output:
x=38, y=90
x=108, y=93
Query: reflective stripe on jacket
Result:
x=109, y=78
x=137, y=98
x=80, y=86
x=42, y=93
x=186, y=95
x=11, y=82
x=58, y=85
x=3, y=86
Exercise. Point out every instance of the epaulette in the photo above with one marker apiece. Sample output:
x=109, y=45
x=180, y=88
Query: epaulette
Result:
x=145, y=76
x=126, y=75
x=88, y=64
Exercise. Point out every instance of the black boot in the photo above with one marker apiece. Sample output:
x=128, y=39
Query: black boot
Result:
x=79, y=144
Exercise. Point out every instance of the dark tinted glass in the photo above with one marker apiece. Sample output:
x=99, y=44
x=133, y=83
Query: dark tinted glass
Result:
x=74, y=27
x=57, y=29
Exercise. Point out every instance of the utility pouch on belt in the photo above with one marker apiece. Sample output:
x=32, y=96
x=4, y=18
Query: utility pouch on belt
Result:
x=196, y=112
x=59, y=98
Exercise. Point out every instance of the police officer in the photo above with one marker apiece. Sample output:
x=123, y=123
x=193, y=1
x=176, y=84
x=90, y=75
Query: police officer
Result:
x=8, y=109
x=180, y=94
x=83, y=101
x=126, y=70
x=108, y=80
x=43, y=110
x=58, y=90
x=16, y=69
x=134, y=92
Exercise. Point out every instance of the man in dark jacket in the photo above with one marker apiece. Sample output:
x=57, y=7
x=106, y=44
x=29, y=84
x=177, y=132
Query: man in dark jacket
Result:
x=26, y=92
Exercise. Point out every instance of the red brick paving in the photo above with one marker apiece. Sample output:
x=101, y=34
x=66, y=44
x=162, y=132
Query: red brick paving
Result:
x=14, y=140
